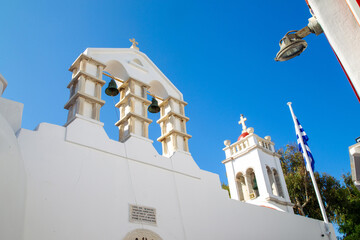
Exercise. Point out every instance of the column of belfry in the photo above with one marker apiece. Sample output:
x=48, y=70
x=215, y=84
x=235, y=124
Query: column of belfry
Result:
x=133, y=109
x=85, y=89
x=173, y=126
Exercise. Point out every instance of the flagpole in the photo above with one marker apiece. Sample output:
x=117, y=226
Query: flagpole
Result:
x=308, y=164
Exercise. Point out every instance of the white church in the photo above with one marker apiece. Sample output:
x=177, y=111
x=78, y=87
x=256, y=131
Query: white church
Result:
x=72, y=182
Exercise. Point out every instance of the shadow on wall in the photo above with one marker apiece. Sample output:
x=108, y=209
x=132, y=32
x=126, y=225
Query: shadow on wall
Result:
x=116, y=69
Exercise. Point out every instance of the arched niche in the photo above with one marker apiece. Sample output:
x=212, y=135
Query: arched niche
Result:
x=142, y=234
x=252, y=183
x=137, y=61
x=280, y=192
x=241, y=187
x=271, y=181
x=116, y=69
x=127, y=57
x=158, y=89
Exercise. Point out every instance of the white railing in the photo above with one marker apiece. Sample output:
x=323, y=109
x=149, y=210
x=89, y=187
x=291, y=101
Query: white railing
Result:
x=239, y=146
x=247, y=142
x=264, y=143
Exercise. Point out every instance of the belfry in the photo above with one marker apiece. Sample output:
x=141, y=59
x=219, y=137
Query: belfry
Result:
x=136, y=77
x=254, y=171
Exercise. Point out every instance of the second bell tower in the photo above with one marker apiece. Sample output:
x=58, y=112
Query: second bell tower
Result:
x=254, y=171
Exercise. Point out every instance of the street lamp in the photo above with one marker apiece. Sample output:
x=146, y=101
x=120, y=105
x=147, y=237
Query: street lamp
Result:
x=292, y=44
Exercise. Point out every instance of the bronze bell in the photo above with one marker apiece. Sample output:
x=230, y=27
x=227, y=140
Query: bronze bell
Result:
x=154, y=107
x=255, y=186
x=112, y=90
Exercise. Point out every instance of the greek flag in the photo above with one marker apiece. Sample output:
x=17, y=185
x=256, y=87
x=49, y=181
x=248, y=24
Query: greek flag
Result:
x=305, y=140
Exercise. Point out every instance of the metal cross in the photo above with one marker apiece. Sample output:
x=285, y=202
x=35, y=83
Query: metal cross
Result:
x=134, y=43
x=242, y=121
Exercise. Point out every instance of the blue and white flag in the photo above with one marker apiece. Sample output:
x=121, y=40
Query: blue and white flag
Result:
x=302, y=140
x=305, y=140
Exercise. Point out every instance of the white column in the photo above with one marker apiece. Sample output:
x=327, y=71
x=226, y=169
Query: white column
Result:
x=85, y=89
x=133, y=110
x=173, y=126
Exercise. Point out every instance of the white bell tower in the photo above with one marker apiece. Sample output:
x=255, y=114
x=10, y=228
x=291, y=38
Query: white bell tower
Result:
x=254, y=172
x=136, y=77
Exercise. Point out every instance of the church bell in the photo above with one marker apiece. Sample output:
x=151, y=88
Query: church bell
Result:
x=255, y=186
x=112, y=90
x=154, y=106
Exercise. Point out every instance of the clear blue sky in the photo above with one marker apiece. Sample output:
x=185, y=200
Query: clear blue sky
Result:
x=219, y=54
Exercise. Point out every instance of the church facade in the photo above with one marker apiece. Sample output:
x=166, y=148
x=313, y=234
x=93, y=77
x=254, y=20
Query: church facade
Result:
x=73, y=182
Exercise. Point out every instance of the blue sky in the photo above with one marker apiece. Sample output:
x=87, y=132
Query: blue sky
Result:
x=219, y=54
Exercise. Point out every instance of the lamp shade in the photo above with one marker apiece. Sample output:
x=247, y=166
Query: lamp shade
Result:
x=290, y=47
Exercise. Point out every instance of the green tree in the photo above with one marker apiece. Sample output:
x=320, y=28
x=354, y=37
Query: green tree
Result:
x=341, y=201
x=300, y=187
x=349, y=223
x=226, y=187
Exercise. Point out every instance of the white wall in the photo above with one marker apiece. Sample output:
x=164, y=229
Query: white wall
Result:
x=80, y=184
x=343, y=32
x=12, y=174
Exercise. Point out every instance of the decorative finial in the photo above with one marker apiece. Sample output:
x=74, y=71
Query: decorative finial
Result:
x=134, y=43
x=227, y=143
x=242, y=122
x=250, y=130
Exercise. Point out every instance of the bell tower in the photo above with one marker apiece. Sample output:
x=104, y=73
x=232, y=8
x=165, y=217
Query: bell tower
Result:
x=254, y=171
x=85, y=89
x=135, y=77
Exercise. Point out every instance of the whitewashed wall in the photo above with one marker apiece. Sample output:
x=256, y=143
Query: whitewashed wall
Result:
x=76, y=183
x=343, y=32
x=12, y=174
x=80, y=184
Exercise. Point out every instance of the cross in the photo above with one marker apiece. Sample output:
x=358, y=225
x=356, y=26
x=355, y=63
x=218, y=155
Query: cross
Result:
x=242, y=121
x=134, y=43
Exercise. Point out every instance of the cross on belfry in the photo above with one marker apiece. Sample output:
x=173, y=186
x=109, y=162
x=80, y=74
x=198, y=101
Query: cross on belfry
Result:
x=134, y=43
x=242, y=122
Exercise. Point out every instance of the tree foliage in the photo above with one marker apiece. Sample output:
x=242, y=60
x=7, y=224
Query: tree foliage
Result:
x=350, y=212
x=341, y=201
x=226, y=187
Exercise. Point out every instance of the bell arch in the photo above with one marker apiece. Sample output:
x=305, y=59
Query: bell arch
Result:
x=116, y=69
x=252, y=183
x=137, y=61
x=271, y=180
x=280, y=191
x=158, y=89
x=142, y=234
x=132, y=104
x=241, y=187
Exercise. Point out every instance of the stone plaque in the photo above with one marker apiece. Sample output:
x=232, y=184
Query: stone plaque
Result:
x=142, y=214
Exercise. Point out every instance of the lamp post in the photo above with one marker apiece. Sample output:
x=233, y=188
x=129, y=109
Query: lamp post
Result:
x=292, y=44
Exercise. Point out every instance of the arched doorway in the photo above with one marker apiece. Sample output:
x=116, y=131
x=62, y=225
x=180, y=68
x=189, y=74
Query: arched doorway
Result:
x=252, y=184
x=278, y=184
x=271, y=181
x=142, y=234
x=242, y=188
